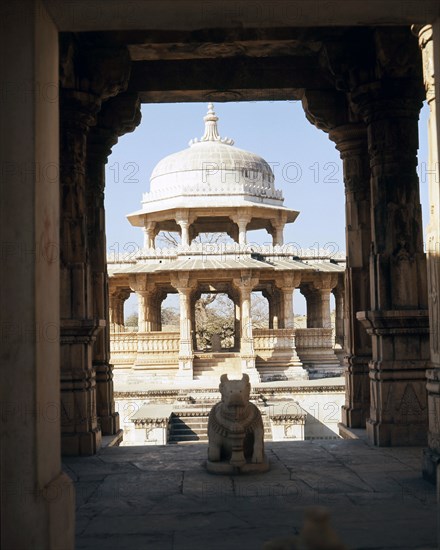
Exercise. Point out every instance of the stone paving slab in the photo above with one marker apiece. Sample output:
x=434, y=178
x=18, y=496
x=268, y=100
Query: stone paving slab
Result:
x=162, y=497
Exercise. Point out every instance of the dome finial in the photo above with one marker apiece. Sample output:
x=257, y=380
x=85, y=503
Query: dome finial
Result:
x=211, y=130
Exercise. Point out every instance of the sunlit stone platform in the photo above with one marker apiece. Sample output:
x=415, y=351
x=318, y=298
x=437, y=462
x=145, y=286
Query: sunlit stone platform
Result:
x=162, y=498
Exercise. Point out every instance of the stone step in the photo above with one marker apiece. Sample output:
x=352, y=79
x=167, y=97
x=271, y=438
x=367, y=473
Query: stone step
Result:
x=193, y=427
x=186, y=437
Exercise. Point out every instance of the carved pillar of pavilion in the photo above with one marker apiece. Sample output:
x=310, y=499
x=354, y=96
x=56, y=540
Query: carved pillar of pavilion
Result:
x=352, y=144
x=317, y=296
x=156, y=309
x=117, y=298
x=118, y=116
x=87, y=79
x=185, y=287
x=398, y=318
x=271, y=295
x=242, y=220
x=288, y=283
x=429, y=41
x=244, y=285
x=278, y=232
x=149, y=235
x=182, y=219
x=146, y=293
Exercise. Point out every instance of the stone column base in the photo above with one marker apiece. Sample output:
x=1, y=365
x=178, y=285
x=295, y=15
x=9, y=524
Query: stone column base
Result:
x=353, y=417
x=81, y=444
x=109, y=424
x=248, y=367
x=185, y=371
x=356, y=410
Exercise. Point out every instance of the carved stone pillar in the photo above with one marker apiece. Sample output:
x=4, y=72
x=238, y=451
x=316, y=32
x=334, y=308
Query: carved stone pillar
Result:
x=268, y=294
x=80, y=431
x=242, y=223
x=429, y=40
x=288, y=284
x=183, y=221
x=89, y=75
x=272, y=295
x=245, y=285
x=117, y=116
x=398, y=320
x=317, y=296
x=278, y=233
x=184, y=286
x=149, y=234
x=311, y=297
x=145, y=316
x=351, y=141
x=145, y=290
x=116, y=309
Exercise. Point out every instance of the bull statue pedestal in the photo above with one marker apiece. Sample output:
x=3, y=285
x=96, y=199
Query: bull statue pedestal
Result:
x=235, y=431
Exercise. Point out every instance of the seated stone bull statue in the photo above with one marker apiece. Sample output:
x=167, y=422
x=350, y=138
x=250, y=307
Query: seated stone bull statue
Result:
x=235, y=431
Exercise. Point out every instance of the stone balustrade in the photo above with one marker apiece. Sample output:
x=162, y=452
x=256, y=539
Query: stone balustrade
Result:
x=158, y=342
x=128, y=348
x=123, y=348
x=314, y=338
x=271, y=339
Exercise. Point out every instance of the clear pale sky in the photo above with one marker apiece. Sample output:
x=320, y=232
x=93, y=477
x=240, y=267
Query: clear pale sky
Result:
x=305, y=162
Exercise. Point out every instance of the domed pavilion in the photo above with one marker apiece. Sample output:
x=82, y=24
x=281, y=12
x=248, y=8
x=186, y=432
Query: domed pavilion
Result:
x=215, y=187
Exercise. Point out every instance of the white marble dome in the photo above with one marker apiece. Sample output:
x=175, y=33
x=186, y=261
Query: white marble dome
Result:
x=212, y=168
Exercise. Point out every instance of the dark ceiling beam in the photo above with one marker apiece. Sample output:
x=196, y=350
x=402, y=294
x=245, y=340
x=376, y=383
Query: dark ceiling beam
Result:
x=191, y=15
x=226, y=79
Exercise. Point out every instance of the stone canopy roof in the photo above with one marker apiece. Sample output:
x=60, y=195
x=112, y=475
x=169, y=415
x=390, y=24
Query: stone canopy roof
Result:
x=211, y=172
x=200, y=262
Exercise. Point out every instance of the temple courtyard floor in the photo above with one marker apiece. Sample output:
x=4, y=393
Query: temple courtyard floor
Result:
x=162, y=498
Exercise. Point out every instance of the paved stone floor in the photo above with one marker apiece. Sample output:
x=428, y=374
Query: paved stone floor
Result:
x=161, y=498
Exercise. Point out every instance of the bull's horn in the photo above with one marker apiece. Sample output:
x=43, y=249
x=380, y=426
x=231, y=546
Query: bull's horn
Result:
x=223, y=378
x=245, y=377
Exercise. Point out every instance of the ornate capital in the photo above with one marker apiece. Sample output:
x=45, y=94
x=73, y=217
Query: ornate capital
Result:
x=89, y=65
x=246, y=283
x=139, y=283
x=325, y=281
x=290, y=281
x=120, y=294
x=182, y=281
x=350, y=139
x=326, y=109
x=119, y=115
x=426, y=42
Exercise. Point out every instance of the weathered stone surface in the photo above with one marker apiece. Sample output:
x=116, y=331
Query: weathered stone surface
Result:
x=375, y=496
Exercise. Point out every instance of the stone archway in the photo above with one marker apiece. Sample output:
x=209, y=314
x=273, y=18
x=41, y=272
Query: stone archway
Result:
x=29, y=137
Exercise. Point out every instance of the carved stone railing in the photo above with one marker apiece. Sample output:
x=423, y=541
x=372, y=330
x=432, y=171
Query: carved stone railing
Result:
x=266, y=339
x=158, y=342
x=129, y=348
x=307, y=338
x=123, y=348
